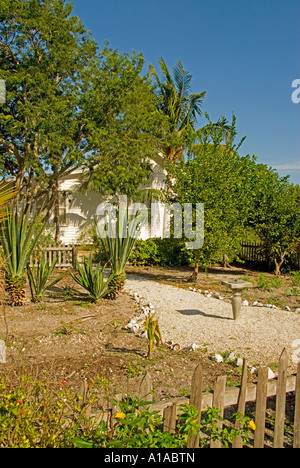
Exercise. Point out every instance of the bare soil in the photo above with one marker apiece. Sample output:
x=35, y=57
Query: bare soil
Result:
x=67, y=338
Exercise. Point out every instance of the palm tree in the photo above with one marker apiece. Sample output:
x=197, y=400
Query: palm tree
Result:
x=183, y=109
x=180, y=105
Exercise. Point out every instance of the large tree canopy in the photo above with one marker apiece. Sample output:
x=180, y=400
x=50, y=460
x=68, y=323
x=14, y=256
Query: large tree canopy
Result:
x=69, y=104
x=215, y=175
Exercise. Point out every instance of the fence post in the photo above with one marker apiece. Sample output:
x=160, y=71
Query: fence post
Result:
x=218, y=403
x=261, y=404
x=280, y=400
x=74, y=257
x=146, y=389
x=297, y=411
x=238, y=443
x=196, y=400
x=170, y=416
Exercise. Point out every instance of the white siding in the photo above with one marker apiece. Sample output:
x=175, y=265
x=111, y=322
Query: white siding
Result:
x=81, y=207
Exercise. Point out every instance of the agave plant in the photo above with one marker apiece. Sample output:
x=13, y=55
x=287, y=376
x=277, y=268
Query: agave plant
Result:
x=18, y=239
x=92, y=279
x=39, y=276
x=118, y=244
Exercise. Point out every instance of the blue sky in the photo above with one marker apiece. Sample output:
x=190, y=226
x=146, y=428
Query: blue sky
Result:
x=243, y=53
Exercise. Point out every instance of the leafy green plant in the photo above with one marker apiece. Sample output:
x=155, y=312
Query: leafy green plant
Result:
x=18, y=238
x=92, y=279
x=162, y=252
x=137, y=426
x=263, y=283
x=32, y=415
x=295, y=278
x=153, y=334
x=39, y=276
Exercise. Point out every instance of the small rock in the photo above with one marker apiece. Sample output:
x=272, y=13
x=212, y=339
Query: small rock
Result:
x=217, y=358
x=269, y=306
x=245, y=303
x=239, y=362
x=144, y=334
x=253, y=370
x=135, y=328
x=287, y=308
x=297, y=310
x=271, y=374
x=194, y=347
x=257, y=304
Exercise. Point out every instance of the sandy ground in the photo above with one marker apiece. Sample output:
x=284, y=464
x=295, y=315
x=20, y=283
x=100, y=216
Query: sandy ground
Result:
x=188, y=317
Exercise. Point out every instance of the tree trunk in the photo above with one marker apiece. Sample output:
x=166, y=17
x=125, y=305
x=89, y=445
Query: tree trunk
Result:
x=56, y=212
x=226, y=262
x=194, y=276
x=278, y=260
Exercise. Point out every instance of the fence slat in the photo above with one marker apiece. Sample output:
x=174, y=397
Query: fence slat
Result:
x=218, y=403
x=196, y=400
x=297, y=411
x=146, y=388
x=238, y=443
x=261, y=403
x=170, y=416
x=281, y=400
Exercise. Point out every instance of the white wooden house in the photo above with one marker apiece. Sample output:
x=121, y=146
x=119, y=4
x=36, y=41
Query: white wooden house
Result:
x=77, y=209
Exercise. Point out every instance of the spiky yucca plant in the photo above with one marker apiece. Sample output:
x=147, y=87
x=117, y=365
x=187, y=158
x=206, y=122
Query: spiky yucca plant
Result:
x=39, y=276
x=7, y=192
x=118, y=243
x=18, y=239
x=92, y=279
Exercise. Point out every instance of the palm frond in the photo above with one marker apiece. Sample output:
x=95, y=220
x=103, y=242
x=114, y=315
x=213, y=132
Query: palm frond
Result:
x=7, y=193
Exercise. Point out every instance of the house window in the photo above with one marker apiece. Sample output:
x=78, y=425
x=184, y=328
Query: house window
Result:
x=63, y=208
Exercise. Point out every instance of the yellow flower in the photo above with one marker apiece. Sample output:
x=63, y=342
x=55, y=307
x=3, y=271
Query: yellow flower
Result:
x=151, y=427
x=120, y=416
x=252, y=425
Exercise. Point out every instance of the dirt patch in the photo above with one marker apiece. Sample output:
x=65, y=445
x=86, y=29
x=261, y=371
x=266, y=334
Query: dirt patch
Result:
x=66, y=338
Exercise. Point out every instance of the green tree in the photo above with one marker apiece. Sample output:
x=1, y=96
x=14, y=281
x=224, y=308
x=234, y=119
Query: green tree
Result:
x=275, y=213
x=215, y=175
x=131, y=128
x=44, y=54
x=69, y=104
x=180, y=105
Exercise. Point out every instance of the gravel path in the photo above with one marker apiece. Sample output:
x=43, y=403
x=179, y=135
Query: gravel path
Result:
x=188, y=317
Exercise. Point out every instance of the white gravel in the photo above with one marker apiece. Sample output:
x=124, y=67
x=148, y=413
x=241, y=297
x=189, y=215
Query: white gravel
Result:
x=188, y=317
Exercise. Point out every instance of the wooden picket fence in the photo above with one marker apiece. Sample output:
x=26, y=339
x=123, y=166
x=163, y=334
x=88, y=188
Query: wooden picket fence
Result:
x=66, y=256
x=256, y=252
x=223, y=397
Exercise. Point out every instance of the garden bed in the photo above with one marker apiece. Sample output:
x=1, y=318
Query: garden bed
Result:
x=67, y=339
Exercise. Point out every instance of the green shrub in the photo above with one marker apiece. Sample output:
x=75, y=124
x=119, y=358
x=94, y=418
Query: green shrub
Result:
x=34, y=416
x=295, y=278
x=161, y=252
x=263, y=283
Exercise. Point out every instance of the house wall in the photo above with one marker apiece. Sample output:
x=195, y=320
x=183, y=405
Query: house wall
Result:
x=80, y=208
